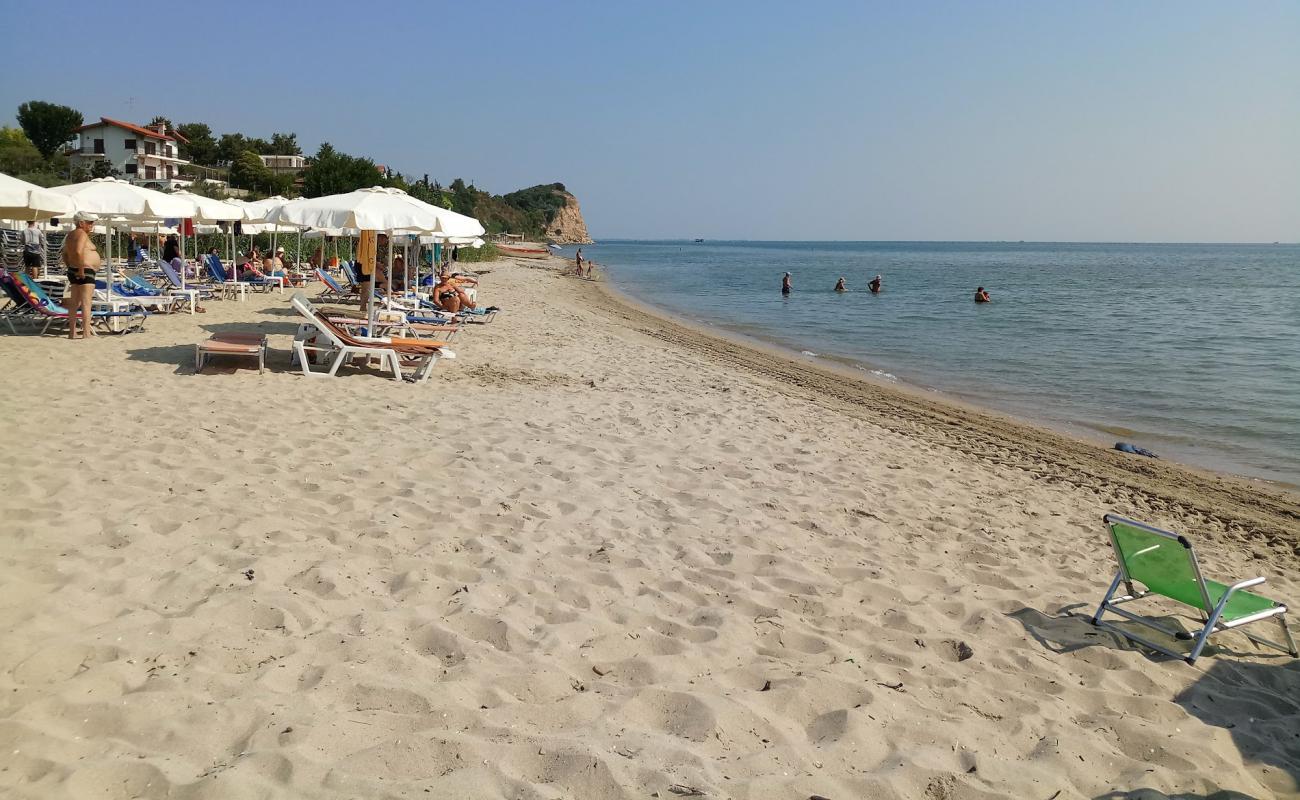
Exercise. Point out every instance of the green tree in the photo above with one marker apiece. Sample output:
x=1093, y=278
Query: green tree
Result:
x=463, y=200
x=230, y=146
x=201, y=147
x=332, y=172
x=161, y=120
x=102, y=168
x=17, y=153
x=248, y=172
x=48, y=126
x=284, y=144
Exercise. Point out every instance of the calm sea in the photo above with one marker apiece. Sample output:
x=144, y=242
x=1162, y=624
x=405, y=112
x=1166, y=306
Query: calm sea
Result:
x=1192, y=351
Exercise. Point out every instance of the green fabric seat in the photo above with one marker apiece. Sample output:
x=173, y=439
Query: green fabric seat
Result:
x=1166, y=565
x=1165, y=568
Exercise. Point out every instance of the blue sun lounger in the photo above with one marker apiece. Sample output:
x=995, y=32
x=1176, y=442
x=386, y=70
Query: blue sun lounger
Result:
x=52, y=312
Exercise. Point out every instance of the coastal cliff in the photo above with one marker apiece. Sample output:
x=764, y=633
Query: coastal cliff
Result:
x=567, y=226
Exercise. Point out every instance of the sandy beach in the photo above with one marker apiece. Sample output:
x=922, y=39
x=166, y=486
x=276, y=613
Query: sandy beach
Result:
x=600, y=554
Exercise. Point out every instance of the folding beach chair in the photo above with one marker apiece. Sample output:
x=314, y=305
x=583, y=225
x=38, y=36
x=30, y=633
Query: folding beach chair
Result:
x=1165, y=564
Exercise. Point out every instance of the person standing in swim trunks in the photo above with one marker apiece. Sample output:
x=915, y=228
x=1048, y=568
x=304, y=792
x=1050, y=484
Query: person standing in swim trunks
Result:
x=83, y=259
x=874, y=286
x=786, y=285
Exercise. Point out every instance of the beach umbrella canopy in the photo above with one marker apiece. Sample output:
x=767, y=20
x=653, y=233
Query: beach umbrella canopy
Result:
x=374, y=209
x=22, y=200
x=208, y=210
x=452, y=225
x=117, y=198
x=260, y=210
x=321, y=233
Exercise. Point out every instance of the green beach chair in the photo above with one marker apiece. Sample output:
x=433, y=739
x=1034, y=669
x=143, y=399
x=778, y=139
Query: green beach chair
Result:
x=1165, y=564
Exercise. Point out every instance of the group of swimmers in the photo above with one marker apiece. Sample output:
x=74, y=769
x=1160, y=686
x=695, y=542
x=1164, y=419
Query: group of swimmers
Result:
x=875, y=286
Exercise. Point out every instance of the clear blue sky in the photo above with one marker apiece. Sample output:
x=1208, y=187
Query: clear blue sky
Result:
x=1121, y=121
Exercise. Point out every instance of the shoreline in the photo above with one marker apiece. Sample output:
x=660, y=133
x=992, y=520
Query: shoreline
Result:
x=1232, y=500
x=1238, y=428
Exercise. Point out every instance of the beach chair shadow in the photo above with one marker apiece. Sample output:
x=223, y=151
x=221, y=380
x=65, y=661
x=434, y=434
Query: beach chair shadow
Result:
x=1069, y=630
x=280, y=311
x=180, y=356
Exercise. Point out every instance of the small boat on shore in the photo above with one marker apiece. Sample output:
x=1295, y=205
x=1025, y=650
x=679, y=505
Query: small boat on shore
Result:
x=522, y=250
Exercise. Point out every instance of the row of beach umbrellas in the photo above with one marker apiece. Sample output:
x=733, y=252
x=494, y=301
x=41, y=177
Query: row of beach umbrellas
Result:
x=115, y=201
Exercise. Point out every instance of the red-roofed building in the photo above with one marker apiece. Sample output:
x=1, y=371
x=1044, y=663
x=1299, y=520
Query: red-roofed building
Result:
x=140, y=154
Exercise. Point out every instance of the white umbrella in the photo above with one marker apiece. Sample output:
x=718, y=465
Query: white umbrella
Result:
x=209, y=210
x=373, y=209
x=116, y=198
x=113, y=197
x=26, y=201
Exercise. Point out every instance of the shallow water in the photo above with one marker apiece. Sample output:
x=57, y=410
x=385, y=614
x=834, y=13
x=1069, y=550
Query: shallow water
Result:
x=1192, y=351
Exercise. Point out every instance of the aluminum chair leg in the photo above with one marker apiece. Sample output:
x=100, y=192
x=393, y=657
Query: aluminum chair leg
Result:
x=1114, y=585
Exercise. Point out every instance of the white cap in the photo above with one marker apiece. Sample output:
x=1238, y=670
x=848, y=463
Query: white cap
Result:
x=85, y=216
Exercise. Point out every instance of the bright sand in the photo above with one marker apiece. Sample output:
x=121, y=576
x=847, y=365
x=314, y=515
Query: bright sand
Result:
x=597, y=555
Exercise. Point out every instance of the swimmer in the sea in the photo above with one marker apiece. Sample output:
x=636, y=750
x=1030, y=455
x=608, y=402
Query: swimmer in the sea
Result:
x=786, y=286
x=874, y=286
x=982, y=296
x=839, y=285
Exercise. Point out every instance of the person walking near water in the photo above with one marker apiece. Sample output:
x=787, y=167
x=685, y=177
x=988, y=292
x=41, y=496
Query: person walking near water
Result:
x=577, y=262
x=874, y=286
x=786, y=286
x=982, y=296
x=839, y=285
x=83, y=259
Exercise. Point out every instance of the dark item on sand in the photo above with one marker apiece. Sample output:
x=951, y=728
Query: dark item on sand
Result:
x=1125, y=447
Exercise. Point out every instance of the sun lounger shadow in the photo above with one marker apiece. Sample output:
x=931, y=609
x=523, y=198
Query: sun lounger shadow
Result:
x=174, y=355
x=281, y=311
x=1152, y=794
x=1067, y=631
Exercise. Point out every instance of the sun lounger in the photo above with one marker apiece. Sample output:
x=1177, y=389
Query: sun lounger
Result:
x=196, y=291
x=332, y=289
x=16, y=307
x=1165, y=564
x=341, y=346
x=52, y=312
x=232, y=284
x=400, y=327
x=248, y=345
x=350, y=272
x=153, y=302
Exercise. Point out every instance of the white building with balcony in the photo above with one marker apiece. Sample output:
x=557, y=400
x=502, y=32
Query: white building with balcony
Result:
x=147, y=156
x=285, y=165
